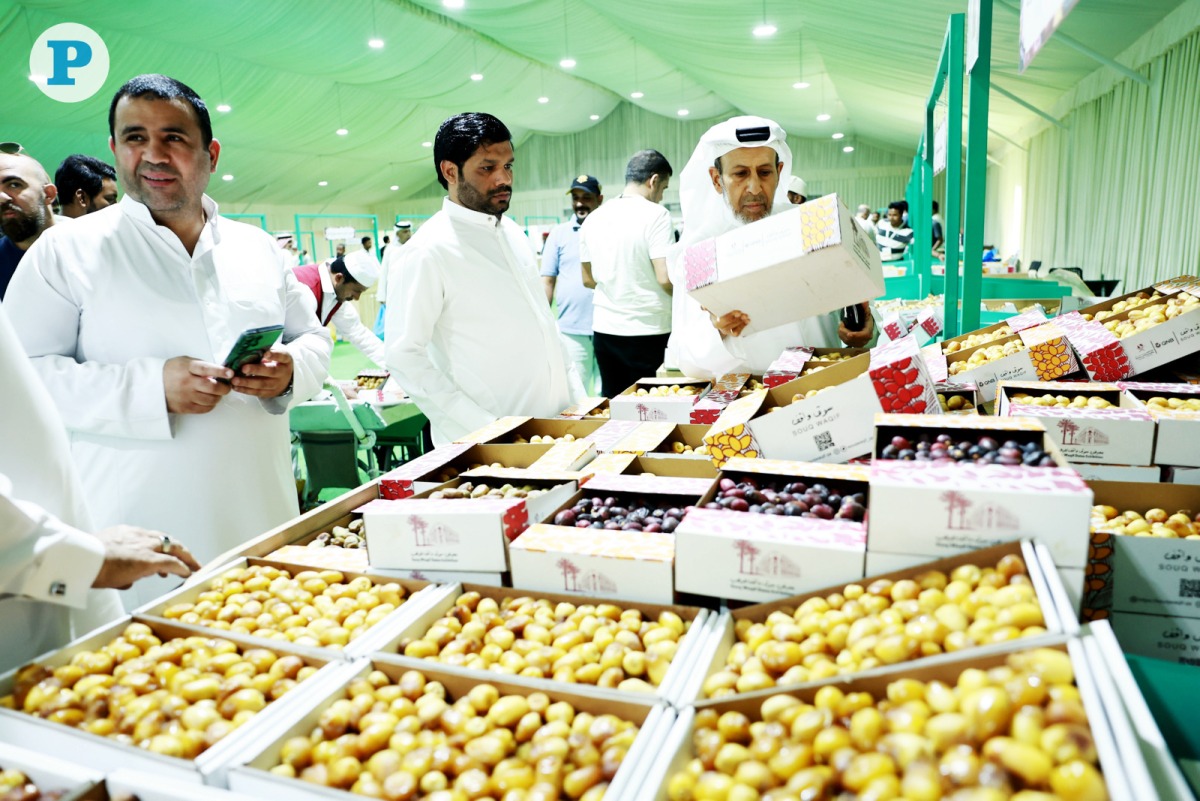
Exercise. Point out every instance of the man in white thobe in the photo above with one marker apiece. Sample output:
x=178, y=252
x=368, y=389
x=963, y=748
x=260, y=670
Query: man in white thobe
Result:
x=128, y=315
x=469, y=334
x=403, y=234
x=733, y=178
x=335, y=287
x=47, y=560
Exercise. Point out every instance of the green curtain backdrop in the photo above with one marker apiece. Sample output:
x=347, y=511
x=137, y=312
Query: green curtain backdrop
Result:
x=1117, y=192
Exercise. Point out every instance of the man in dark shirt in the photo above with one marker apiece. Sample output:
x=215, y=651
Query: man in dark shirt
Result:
x=26, y=196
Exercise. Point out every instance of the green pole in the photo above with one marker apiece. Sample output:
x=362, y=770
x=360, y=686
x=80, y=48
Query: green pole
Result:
x=976, y=196
x=952, y=224
x=300, y=238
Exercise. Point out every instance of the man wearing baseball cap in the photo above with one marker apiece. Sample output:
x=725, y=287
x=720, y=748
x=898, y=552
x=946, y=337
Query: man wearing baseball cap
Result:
x=561, y=274
x=336, y=288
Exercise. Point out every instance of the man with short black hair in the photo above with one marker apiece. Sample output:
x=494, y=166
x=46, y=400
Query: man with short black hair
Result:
x=336, y=286
x=85, y=184
x=623, y=255
x=128, y=315
x=893, y=236
x=26, y=196
x=469, y=334
x=561, y=276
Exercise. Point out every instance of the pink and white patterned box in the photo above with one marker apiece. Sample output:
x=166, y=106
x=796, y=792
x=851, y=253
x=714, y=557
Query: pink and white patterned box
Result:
x=657, y=408
x=461, y=534
x=799, y=263
x=787, y=366
x=623, y=565
x=1119, y=435
x=752, y=557
x=1178, y=441
x=939, y=510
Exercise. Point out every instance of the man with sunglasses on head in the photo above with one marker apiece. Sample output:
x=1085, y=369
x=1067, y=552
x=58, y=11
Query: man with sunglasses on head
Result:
x=26, y=197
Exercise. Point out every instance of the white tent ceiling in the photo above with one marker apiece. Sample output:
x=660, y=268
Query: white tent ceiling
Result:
x=294, y=71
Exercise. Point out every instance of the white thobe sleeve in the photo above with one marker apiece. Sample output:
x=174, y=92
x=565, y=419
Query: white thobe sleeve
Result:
x=118, y=400
x=306, y=340
x=43, y=558
x=415, y=305
x=350, y=326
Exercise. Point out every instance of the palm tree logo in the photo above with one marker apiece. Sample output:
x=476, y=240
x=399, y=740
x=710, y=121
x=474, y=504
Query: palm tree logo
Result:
x=569, y=570
x=955, y=502
x=419, y=527
x=746, y=553
x=1068, y=428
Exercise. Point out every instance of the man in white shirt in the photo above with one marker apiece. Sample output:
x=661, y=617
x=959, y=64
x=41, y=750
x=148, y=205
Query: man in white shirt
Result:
x=128, y=314
x=469, y=334
x=732, y=179
x=623, y=249
x=403, y=234
x=335, y=289
x=863, y=218
x=287, y=245
x=47, y=560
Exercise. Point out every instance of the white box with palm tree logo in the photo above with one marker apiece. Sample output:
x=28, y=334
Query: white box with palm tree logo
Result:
x=937, y=510
x=460, y=534
x=626, y=565
x=1118, y=433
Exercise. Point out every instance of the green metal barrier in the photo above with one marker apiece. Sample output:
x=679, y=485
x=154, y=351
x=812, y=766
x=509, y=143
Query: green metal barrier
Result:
x=261, y=219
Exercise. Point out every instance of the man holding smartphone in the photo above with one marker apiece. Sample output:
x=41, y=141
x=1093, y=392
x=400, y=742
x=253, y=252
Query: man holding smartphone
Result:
x=128, y=315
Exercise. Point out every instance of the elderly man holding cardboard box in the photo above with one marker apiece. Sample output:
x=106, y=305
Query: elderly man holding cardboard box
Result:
x=732, y=179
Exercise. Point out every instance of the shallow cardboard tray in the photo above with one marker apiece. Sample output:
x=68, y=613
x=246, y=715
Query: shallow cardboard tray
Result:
x=691, y=647
x=417, y=596
x=49, y=773
x=101, y=753
x=253, y=778
x=723, y=626
x=1155, y=775
x=676, y=751
x=124, y=783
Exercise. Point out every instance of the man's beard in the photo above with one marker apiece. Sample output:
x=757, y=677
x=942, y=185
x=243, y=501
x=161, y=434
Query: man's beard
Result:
x=24, y=225
x=475, y=200
x=743, y=219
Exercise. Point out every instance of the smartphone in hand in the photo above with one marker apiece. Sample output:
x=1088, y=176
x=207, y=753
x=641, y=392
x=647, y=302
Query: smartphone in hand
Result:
x=251, y=345
x=854, y=318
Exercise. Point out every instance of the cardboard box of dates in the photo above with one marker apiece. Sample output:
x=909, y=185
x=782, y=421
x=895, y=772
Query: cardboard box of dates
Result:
x=800, y=263
x=663, y=400
x=200, y=745
x=338, y=637
x=657, y=464
x=1145, y=550
x=431, y=470
x=1093, y=423
x=1176, y=410
x=1038, y=353
x=609, y=539
x=956, y=398
x=1092, y=773
x=443, y=530
x=770, y=529
x=1170, y=638
x=826, y=416
x=595, y=408
x=669, y=639
x=932, y=497
x=502, y=704
x=1031, y=611
x=1140, y=338
x=51, y=777
x=721, y=393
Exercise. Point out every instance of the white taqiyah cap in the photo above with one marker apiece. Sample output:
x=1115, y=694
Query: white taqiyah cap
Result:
x=363, y=267
x=797, y=185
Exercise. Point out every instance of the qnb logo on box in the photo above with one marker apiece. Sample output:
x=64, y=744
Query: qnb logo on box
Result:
x=69, y=62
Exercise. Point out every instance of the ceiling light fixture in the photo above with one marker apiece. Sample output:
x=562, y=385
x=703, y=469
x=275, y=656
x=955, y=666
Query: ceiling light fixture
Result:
x=375, y=43
x=394, y=188
x=322, y=183
x=453, y=4
x=838, y=135
x=543, y=99
x=823, y=118
x=476, y=76
x=427, y=144
x=223, y=106
x=567, y=63
x=226, y=177
x=764, y=29
x=594, y=117
x=801, y=85
x=637, y=95
x=683, y=112
x=342, y=130
x=848, y=149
